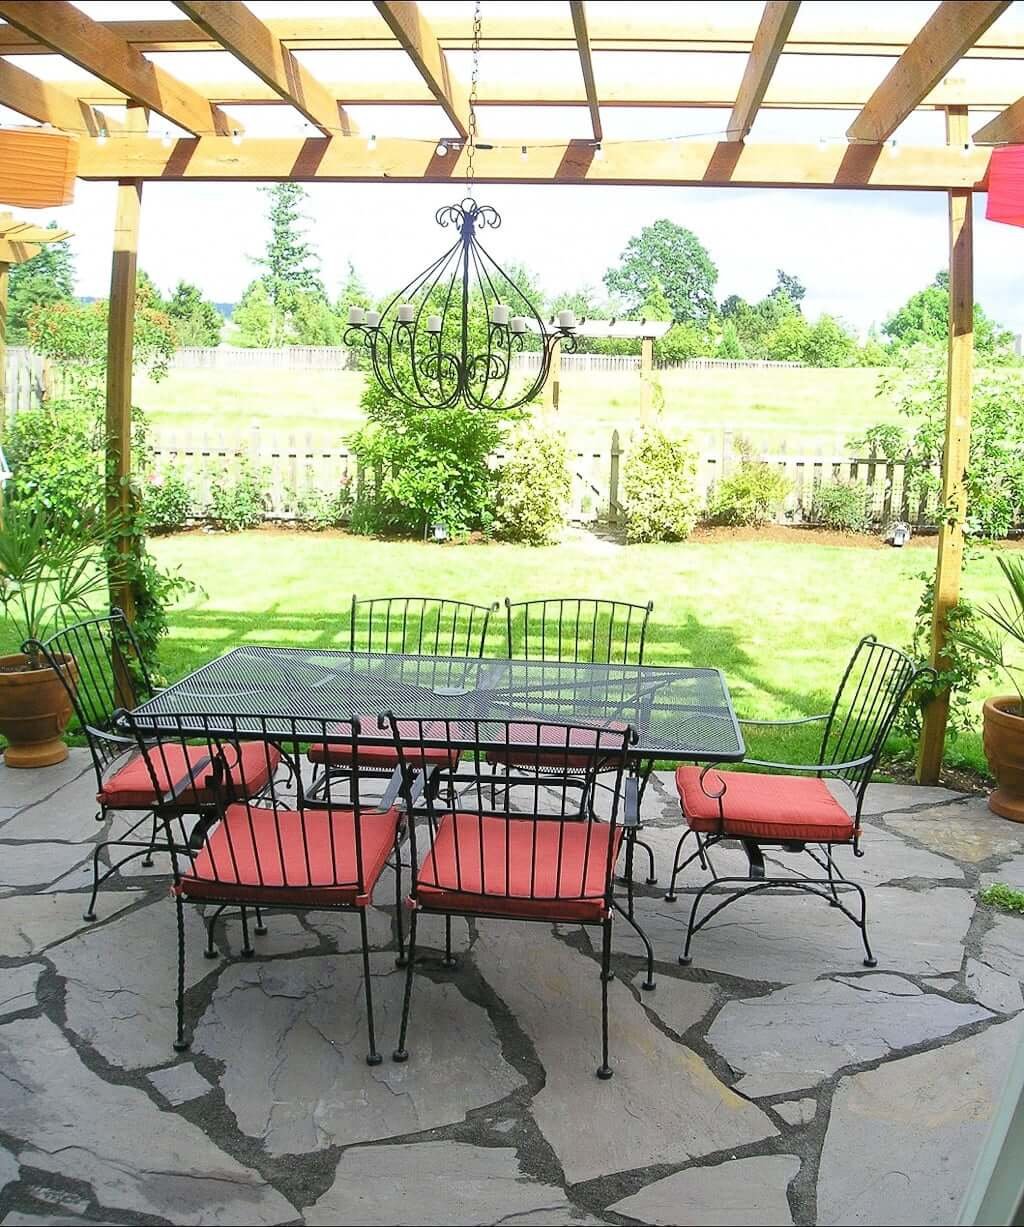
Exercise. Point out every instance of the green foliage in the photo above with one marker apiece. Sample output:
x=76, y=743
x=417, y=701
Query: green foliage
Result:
x=51, y=568
x=681, y=343
x=254, y=317
x=1004, y=898
x=752, y=494
x=791, y=286
x=56, y=454
x=1006, y=618
x=660, y=487
x=924, y=317
x=196, y=320
x=290, y=261
x=829, y=344
x=995, y=467
x=74, y=335
x=238, y=500
x=844, y=506
x=313, y=321
x=318, y=510
x=47, y=278
x=168, y=502
x=729, y=346
x=533, y=488
x=666, y=254
x=789, y=341
x=656, y=305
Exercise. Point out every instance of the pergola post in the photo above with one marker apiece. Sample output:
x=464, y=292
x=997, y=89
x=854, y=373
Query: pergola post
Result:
x=120, y=330
x=5, y=269
x=553, y=387
x=956, y=449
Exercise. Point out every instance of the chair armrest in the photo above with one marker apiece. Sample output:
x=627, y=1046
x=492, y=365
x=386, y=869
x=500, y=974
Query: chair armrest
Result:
x=784, y=723
x=391, y=793
x=631, y=804
x=187, y=781
x=805, y=768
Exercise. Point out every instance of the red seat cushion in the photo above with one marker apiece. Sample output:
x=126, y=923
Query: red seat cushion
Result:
x=242, y=857
x=529, y=850
x=533, y=737
x=131, y=786
x=385, y=757
x=771, y=807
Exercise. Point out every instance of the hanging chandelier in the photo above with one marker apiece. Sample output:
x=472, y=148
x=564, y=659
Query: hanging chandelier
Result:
x=451, y=333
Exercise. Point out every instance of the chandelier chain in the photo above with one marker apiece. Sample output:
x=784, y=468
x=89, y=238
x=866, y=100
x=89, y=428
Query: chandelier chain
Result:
x=473, y=85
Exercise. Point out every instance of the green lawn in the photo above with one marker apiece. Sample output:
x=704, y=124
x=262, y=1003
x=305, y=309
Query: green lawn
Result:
x=770, y=403
x=780, y=619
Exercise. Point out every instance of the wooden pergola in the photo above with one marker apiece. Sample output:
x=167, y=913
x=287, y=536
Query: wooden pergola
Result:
x=963, y=61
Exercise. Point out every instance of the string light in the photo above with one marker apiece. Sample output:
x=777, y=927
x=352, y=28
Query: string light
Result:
x=441, y=150
x=236, y=137
x=598, y=152
x=101, y=136
x=371, y=144
x=894, y=148
x=165, y=140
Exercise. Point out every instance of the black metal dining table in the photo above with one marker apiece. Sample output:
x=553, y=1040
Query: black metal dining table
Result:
x=678, y=713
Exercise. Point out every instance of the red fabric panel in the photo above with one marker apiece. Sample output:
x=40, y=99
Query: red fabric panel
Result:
x=382, y=758
x=533, y=736
x=450, y=876
x=772, y=807
x=131, y=787
x=1006, y=185
x=242, y=859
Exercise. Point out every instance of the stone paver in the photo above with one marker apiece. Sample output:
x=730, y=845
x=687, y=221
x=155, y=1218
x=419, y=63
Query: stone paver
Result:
x=902, y=1139
x=180, y=1083
x=18, y=987
x=31, y=923
x=140, y=1160
x=433, y=1183
x=38, y=864
x=967, y=831
x=1002, y=946
x=741, y=1191
x=797, y=1037
x=881, y=798
x=315, y=1090
x=67, y=815
x=798, y=1111
x=553, y=993
x=1010, y=873
x=8, y=1168
x=20, y=786
x=993, y=989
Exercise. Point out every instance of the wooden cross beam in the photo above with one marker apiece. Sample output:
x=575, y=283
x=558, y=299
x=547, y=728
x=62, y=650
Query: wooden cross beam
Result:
x=776, y=21
x=420, y=43
x=579, y=24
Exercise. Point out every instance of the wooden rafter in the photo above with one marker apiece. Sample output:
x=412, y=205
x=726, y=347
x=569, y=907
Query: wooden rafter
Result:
x=579, y=25
x=772, y=32
x=68, y=31
x=239, y=31
x=420, y=43
x=47, y=103
x=684, y=163
x=1006, y=128
x=954, y=27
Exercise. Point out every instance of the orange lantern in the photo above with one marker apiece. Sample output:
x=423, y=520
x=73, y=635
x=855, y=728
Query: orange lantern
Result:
x=37, y=167
x=1006, y=185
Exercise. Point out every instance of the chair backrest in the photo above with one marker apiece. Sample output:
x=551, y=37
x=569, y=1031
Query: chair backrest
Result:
x=419, y=625
x=873, y=688
x=577, y=629
x=109, y=675
x=244, y=777
x=483, y=831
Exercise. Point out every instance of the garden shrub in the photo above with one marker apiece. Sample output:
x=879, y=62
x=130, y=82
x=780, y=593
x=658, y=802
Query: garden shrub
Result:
x=239, y=500
x=752, y=494
x=660, y=496
x=56, y=454
x=843, y=505
x=321, y=509
x=168, y=502
x=532, y=489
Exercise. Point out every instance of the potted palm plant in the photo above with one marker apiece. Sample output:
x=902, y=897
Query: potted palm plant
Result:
x=51, y=572
x=1003, y=715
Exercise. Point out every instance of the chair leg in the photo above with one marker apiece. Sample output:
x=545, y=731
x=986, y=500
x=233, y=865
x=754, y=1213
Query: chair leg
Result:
x=401, y=1053
x=373, y=1057
x=210, y=952
x=148, y=859
x=649, y=983
x=99, y=878
x=261, y=928
x=247, y=950
x=869, y=958
x=181, y=1040
x=678, y=866
x=604, y=1070
x=399, y=917
x=449, y=959
x=651, y=879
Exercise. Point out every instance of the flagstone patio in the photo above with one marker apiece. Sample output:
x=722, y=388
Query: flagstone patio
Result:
x=774, y=1081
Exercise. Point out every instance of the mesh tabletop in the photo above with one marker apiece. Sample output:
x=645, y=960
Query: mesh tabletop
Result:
x=677, y=713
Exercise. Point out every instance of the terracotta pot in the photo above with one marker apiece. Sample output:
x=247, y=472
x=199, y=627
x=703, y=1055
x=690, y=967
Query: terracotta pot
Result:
x=1003, y=737
x=34, y=712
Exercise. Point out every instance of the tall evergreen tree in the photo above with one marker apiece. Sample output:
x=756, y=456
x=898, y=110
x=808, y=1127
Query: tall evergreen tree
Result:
x=196, y=321
x=290, y=262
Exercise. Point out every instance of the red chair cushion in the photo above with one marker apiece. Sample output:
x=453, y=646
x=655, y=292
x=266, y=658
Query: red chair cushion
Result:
x=770, y=807
x=385, y=757
x=533, y=737
x=242, y=858
x=131, y=786
x=530, y=850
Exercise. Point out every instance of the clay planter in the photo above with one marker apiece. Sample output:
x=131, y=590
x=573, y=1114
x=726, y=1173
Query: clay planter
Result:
x=1003, y=737
x=34, y=712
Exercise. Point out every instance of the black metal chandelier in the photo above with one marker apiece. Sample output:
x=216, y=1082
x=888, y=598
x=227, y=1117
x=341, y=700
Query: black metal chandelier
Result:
x=451, y=333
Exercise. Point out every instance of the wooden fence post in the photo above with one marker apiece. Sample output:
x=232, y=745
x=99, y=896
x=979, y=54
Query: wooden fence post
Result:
x=613, y=479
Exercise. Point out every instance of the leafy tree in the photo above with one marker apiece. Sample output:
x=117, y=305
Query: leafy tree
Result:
x=656, y=305
x=313, y=322
x=789, y=341
x=289, y=260
x=147, y=293
x=253, y=316
x=792, y=287
x=829, y=344
x=47, y=278
x=353, y=294
x=729, y=346
x=196, y=321
x=683, y=342
x=925, y=317
x=675, y=257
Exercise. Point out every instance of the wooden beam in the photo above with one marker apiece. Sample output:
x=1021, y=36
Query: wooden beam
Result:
x=12, y=251
x=1007, y=128
x=956, y=448
x=776, y=21
x=120, y=341
x=239, y=31
x=420, y=43
x=579, y=25
x=683, y=163
x=4, y=283
x=47, y=103
x=955, y=26
x=68, y=31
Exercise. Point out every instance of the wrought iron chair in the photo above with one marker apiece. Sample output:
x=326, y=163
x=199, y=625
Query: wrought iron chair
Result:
x=410, y=625
x=287, y=851
x=526, y=859
x=110, y=675
x=579, y=629
x=798, y=813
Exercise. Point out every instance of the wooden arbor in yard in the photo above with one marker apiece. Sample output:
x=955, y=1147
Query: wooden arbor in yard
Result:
x=963, y=56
